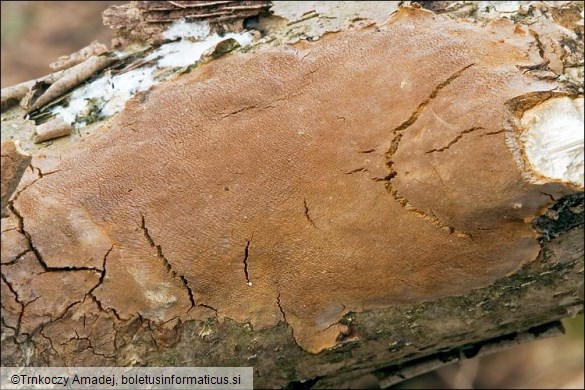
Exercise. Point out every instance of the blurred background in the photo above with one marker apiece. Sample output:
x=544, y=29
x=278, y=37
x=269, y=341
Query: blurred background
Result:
x=36, y=33
x=555, y=363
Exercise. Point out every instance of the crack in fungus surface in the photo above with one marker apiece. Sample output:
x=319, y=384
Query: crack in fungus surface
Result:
x=307, y=216
x=399, y=133
x=245, y=261
x=470, y=130
x=167, y=263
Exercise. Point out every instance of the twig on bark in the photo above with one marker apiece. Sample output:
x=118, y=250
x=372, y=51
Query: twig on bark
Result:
x=65, y=62
x=71, y=78
x=53, y=129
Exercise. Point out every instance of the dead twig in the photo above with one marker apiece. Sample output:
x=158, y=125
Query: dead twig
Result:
x=10, y=96
x=65, y=62
x=71, y=78
x=53, y=129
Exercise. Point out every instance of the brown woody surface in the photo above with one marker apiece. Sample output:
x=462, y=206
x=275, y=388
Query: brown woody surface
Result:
x=365, y=332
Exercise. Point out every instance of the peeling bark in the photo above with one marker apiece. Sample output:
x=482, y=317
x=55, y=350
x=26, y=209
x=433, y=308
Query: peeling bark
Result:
x=71, y=78
x=53, y=129
x=187, y=324
x=146, y=20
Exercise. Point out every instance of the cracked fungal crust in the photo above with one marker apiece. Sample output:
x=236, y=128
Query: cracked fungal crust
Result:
x=13, y=164
x=365, y=170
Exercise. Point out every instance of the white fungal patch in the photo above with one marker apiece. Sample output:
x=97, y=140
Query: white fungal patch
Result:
x=186, y=52
x=108, y=94
x=505, y=6
x=553, y=139
x=183, y=29
x=501, y=8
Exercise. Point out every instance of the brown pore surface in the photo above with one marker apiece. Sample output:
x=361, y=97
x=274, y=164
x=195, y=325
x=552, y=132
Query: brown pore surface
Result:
x=365, y=170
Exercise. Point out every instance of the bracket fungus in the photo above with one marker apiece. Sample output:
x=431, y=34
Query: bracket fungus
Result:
x=372, y=168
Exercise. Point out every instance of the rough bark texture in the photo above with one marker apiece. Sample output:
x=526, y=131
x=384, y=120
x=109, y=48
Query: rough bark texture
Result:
x=393, y=337
x=145, y=20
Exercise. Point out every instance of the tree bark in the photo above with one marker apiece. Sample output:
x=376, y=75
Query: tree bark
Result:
x=392, y=343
